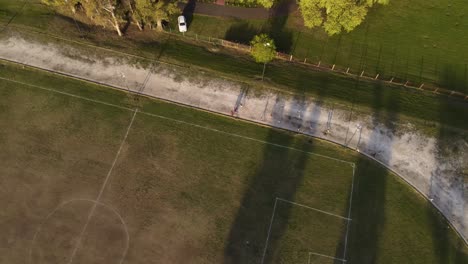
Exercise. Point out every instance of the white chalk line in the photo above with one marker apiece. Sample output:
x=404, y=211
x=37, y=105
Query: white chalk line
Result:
x=269, y=231
x=91, y=212
x=349, y=213
x=69, y=94
x=300, y=205
x=181, y=122
x=325, y=256
x=122, y=221
x=314, y=209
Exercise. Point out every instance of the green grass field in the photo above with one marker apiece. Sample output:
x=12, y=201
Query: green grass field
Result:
x=421, y=41
x=190, y=186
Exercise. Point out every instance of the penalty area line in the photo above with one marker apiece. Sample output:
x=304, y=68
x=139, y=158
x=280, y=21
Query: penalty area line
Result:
x=300, y=205
x=325, y=256
x=314, y=209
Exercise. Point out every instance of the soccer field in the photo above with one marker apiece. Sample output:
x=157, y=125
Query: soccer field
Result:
x=94, y=175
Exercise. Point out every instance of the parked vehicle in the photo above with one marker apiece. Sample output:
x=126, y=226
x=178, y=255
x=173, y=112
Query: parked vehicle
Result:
x=182, y=24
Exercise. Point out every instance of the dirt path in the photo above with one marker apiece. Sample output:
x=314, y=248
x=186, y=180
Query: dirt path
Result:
x=438, y=176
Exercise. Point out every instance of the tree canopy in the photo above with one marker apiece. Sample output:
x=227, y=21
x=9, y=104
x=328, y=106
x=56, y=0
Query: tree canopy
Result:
x=149, y=12
x=263, y=48
x=111, y=13
x=336, y=15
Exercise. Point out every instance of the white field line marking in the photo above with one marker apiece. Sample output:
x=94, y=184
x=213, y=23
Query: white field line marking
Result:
x=300, y=205
x=69, y=94
x=325, y=256
x=349, y=212
x=314, y=209
x=180, y=121
x=39, y=229
x=91, y=212
x=269, y=231
x=248, y=138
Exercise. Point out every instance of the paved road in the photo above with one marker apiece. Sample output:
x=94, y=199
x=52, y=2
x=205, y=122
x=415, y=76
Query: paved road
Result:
x=282, y=9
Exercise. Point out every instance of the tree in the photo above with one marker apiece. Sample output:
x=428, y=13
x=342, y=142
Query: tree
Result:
x=101, y=12
x=336, y=15
x=104, y=12
x=266, y=3
x=54, y=2
x=62, y=3
x=263, y=50
x=149, y=12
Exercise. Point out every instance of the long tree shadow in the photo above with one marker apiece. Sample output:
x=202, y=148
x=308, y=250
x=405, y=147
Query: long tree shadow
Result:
x=246, y=241
x=454, y=77
x=368, y=207
x=279, y=175
x=241, y=32
x=188, y=11
x=447, y=183
x=276, y=27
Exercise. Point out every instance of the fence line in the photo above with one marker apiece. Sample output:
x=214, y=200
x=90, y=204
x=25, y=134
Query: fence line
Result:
x=329, y=67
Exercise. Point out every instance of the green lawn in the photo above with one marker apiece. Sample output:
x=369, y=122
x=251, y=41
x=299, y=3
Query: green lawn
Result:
x=421, y=41
x=187, y=192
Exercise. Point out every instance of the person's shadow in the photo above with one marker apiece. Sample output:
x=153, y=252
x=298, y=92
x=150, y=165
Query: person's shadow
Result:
x=188, y=12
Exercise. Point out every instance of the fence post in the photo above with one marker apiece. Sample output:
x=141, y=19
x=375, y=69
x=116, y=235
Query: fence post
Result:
x=377, y=76
x=391, y=80
x=347, y=70
x=318, y=65
x=333, y=67
x=290, y=58
x=421, y=86
x=362, y=73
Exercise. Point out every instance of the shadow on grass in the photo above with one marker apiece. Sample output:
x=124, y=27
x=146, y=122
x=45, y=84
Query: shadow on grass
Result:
x=277, y=26
x=188, y=11
x=451, y=173
x=368, y=208
x=241, y=32
x=67, y=23
x=280, y=173
x=454, y=77
x=276, y=177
